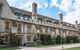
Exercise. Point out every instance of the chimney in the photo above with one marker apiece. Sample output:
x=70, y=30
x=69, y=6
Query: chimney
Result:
x=76, y=24
x=34, y=11
x=60, y=18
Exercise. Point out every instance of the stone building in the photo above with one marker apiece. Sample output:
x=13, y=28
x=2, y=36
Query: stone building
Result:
x=28, y=24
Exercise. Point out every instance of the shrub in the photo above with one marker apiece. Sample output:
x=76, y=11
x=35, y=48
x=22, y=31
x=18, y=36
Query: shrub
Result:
x=63, y=40
x=13, y=39
x=37, y=40
x=72, y=39
x=48, y=40
x=58, y=39
x=1, y=39
x=75, y=39
x=53, y=40
x=68, y=39
x=45, y=39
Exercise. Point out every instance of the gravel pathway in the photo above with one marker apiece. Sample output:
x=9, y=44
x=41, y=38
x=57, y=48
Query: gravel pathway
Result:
x=52, y=48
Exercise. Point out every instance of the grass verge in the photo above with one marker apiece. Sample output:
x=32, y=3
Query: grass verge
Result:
x=9, y=48
x=78, y=48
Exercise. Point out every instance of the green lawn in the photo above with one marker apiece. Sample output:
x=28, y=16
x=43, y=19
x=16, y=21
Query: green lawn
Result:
x=9, y=48
x=73, y=48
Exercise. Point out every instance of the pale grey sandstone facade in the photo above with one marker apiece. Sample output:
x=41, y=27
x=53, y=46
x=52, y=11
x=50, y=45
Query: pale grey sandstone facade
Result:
x=28, y=24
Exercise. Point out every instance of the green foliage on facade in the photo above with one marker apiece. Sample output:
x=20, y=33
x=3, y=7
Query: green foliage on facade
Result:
x=46, y=39
x=72, y=39
x=58, y=40
x=10, y=39
x=1, y=39
x=14, y=40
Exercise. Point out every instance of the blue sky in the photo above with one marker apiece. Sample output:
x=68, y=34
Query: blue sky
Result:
x=51, y=8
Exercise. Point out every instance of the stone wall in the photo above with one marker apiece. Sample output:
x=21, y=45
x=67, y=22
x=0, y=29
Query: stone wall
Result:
x=2, y=28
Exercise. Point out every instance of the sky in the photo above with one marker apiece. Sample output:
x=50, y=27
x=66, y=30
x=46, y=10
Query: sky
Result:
x=51, y=8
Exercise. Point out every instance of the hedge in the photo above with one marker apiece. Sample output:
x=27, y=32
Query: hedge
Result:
x=48, y=40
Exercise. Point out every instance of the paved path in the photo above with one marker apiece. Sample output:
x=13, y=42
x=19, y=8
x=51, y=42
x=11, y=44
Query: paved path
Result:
x=52, y=48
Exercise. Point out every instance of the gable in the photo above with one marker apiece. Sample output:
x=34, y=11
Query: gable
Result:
x=6, y=11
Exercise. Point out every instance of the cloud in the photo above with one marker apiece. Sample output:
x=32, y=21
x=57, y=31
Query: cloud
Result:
x=12, y=2
x=54, y=3
x=71, y=17
x=70, y=7
x=27, y=4
x=77, y=4
x=74, y=15
x=66, y=5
